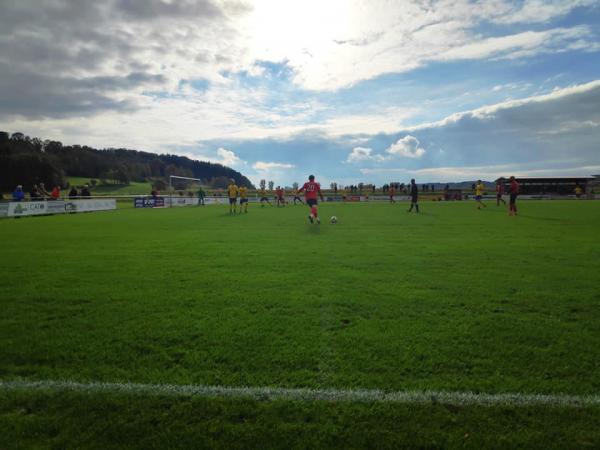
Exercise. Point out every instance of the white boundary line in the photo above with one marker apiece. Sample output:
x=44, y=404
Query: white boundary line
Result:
x=304, y=394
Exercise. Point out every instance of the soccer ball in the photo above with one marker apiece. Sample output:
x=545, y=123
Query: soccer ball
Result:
x=333, y=219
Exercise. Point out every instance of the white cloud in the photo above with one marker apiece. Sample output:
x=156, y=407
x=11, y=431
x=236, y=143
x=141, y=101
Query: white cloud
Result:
x=351, y=41
x=362, y=154
x=223, y=156
x=540, y=11
x=97, y=80
x=512, y=87
x=227, y=157
x=555, y=134
x=373, y=121
x=268, y=166
x=407, y=147
x=518, y=45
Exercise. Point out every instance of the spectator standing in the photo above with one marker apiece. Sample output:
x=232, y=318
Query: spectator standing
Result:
x=73, y=193
x=18, y=194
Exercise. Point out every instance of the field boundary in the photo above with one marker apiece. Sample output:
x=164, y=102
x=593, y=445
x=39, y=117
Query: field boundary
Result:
x=454, y=398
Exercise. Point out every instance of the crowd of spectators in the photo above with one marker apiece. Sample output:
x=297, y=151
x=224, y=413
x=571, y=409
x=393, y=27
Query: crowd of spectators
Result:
x=38, y=192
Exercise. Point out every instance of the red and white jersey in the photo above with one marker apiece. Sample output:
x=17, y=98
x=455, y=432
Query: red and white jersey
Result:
x=514, y=187
x=311, y=188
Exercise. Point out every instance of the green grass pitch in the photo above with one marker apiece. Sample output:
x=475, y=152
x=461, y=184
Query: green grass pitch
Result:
x=452, y=299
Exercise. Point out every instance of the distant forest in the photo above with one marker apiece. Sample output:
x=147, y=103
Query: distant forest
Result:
x=25, y=160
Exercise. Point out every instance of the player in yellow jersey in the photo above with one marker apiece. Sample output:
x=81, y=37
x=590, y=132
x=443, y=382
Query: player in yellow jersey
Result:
x=297, y=197
x=232, y=192
x=243, y=191
x=479, y=188
x=264, y=198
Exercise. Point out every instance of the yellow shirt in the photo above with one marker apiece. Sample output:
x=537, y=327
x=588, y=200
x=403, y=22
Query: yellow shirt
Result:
x=479, y=189
x=232, y=191
x=242, y=190
x=263, y=193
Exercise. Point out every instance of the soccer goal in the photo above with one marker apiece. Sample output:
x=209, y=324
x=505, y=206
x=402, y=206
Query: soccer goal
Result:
x=183, y=191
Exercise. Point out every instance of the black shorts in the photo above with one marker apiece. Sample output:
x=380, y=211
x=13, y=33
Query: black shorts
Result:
x=264, y=199
x=232, y=200
x=243, y=200
x=311, y=201
x=414, y=199
x=513, y=198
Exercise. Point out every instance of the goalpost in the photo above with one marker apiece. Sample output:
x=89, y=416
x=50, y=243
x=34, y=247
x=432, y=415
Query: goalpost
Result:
x=187, y=190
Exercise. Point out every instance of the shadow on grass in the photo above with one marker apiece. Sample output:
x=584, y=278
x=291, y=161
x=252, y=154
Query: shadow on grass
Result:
x=314, y=228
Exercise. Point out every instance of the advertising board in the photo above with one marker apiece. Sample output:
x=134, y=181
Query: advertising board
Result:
x=19, y=209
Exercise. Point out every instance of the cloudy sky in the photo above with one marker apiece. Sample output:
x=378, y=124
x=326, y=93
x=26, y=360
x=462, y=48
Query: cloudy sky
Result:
x=372, y=91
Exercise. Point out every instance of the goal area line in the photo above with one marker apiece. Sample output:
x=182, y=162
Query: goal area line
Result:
x=454, y=398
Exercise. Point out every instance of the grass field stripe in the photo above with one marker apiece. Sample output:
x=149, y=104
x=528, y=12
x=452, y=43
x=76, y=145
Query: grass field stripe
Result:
x=303, y=394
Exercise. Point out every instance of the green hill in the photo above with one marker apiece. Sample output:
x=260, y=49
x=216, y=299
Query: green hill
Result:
x=25, y=160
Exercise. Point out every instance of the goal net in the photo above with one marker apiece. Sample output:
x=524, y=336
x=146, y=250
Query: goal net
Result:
x=183, y=191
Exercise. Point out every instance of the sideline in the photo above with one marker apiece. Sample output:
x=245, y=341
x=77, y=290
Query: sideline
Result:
x=305, y=394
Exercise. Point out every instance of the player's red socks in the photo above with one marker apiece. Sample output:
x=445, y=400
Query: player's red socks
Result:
x=313, y=211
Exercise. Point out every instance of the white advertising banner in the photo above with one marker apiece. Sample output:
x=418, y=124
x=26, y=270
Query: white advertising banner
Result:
x=96, y=204
x=18, y=209
x=216, y=200
x=181, y=201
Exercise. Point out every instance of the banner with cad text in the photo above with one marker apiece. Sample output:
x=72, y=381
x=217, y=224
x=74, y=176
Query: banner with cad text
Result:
x=18, y=209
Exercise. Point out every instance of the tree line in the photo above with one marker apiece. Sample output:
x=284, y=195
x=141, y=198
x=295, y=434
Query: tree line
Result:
x=30, y=160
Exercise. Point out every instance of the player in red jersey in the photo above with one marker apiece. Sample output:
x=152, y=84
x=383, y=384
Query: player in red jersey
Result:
x=392, y=193
x=514, y=191
x=500, y=191
x=311, y=189
x=280, y=196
